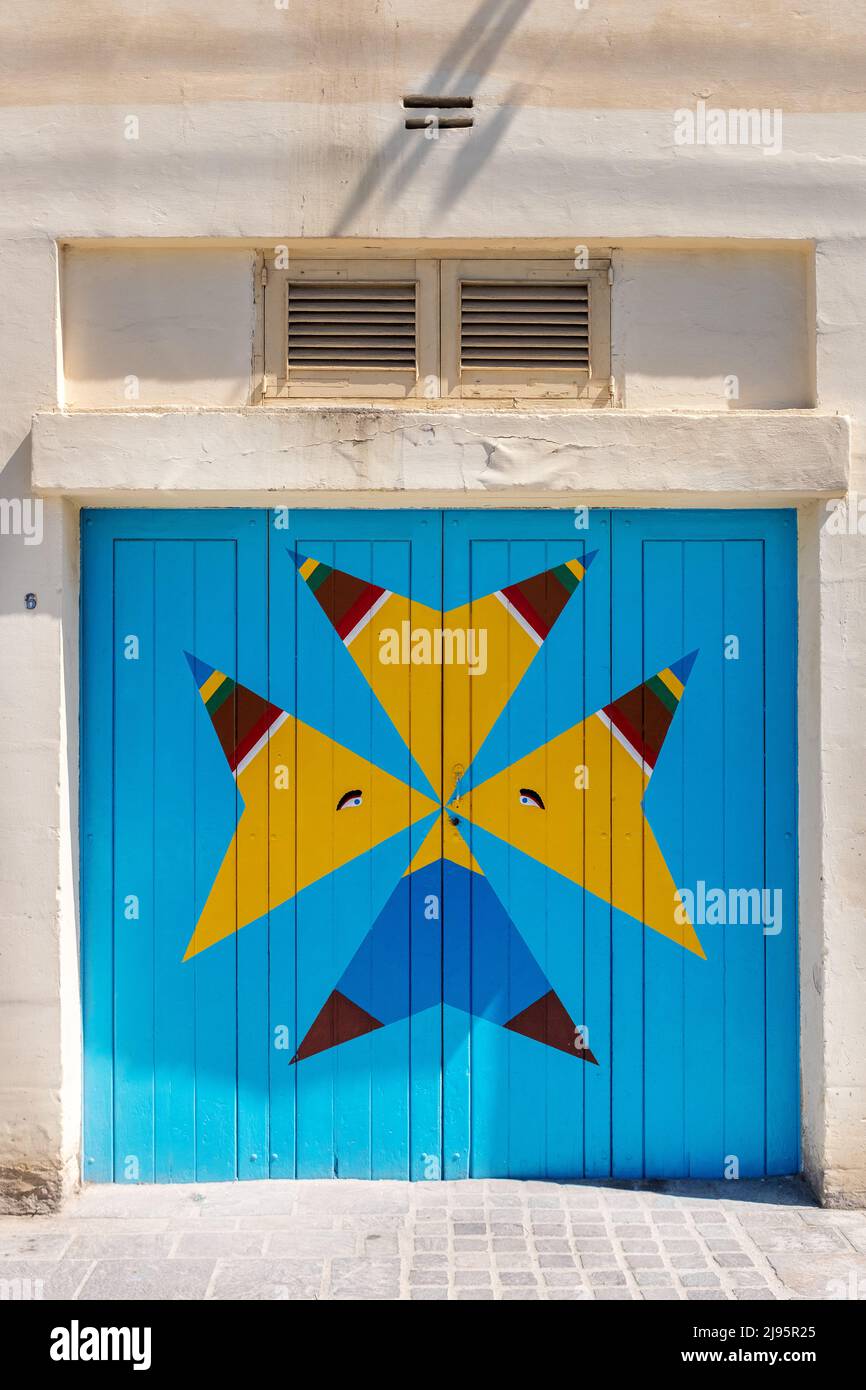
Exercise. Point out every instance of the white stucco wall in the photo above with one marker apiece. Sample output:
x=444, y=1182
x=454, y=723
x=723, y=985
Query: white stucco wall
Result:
x=687, y=322
x=39, y=1010
x=289, y=126
x=157, y=327
x=836, y=988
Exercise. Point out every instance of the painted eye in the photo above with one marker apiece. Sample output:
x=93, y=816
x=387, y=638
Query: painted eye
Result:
x=530, y=798
x=353, y=798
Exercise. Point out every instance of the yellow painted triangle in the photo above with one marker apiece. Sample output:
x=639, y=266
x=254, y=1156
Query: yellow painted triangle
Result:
x=390, y=651
x=592, y=829
x=291, y=833
x=502, y=645
x=503, y=652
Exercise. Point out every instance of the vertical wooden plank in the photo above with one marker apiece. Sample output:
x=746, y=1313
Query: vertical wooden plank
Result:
x=743, y=676
x=563, y=671
x=596, y=910
x=426, y=1160
x=498, y=1146
x=701, y=714
x=353, y=886
x=664, y=960
x=782, y=1002
x=252, y=862
x=318, y=966
x=283, y=662
x=97, y=814
x=134, y=669
x=525, y=1079
x=427, y=1101
x=553, y=689
x=174, y=850
x=216, y=813
x=389, y=1057
x=627, y=935
x=457, y=1041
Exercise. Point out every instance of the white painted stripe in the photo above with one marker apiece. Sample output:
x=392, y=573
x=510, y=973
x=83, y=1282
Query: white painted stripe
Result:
x=371, y=611
x=620, y=738
x=518, y=617
x=257, y=747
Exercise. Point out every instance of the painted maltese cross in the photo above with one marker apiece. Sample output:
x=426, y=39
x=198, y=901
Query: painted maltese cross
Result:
x=443, y=679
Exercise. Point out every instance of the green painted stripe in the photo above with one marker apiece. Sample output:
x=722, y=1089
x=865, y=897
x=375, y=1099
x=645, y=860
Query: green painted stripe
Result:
x=661, y=691
x=220, y=695
x=319, y=575
x=568, y=580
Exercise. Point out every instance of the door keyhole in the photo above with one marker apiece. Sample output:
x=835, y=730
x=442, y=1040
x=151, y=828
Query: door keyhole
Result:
x=454, y=800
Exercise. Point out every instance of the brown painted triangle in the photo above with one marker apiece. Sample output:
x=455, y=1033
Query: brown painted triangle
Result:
x=548, y=1022
x=338, y=1021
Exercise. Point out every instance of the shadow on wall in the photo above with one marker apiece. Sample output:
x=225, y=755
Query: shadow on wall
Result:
x=39, y=901
x=469, y=56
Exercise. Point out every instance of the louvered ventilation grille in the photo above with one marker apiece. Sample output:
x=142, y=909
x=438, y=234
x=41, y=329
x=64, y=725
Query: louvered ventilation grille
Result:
x=352, y=326
x=524, y=325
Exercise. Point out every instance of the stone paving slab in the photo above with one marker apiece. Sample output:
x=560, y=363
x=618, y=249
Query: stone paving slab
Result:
x=482, y=1240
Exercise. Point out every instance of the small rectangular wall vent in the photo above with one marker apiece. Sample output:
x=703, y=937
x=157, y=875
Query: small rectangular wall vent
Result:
x=437, y=103
x=524, y=325
x=352, y=325
x=433, y=106
x=440, y=122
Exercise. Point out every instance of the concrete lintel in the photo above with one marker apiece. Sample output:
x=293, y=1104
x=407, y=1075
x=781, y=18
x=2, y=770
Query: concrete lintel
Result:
x=406, y=457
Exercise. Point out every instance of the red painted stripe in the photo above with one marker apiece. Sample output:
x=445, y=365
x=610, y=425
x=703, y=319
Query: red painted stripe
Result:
x=271, y=713
x=353, y=615
x=526, y=611
x=634, y=738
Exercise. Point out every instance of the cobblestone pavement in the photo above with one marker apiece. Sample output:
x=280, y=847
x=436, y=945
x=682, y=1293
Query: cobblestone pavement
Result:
x=446, y=1240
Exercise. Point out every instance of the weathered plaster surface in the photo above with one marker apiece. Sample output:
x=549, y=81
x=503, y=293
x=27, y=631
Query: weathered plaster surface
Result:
x=271, y=170
x=558, y=456
x=633, y=53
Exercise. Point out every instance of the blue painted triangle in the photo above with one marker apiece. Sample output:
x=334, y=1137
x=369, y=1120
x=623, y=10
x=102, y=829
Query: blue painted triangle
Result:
x=200, y=669
x=682, y=669
x=422, y=952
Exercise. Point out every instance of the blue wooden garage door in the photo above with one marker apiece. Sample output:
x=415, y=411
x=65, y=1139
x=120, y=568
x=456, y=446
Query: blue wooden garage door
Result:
x=422, y=844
